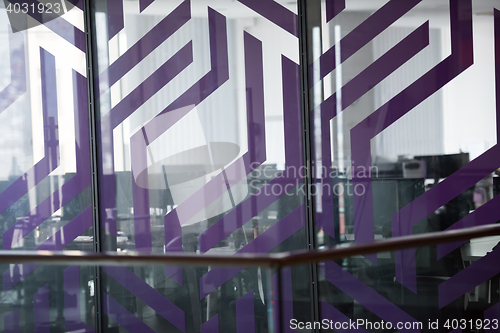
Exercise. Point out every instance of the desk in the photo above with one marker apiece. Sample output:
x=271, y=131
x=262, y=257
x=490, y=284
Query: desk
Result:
x=478, y=248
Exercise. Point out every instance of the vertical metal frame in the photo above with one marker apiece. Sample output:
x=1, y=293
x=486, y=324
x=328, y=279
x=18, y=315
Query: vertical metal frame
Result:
x=91, y=55
x=307, y=10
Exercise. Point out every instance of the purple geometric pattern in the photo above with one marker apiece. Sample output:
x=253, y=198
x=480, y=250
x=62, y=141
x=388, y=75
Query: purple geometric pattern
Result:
x=351, y=91
x=403, y=221
x=50, y=69
x=11, y=321
x=181, y=106
x=150, y=296
x=256, y=203
x=330, y=312
x=211, y=325
x=333, y=8
x=50, y=161
x=147, y=44
x=245, y=314
x=73, y=186
x=365, y=295
x=69, y=190
x=122, y=316
x=275, y=13
x=57, y=242
x=275, y=235
x=460, y=59
x=486, y=214
x=362, y=34
x=467, y=279
x=464, y=178
x=115, y=17
x=209, y=83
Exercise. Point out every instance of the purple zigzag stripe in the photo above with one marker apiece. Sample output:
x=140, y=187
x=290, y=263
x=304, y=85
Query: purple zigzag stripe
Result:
x=455, y=184
x=211, y=325
x=486, y=214
x=218, y=75
x=460, y=59
x=333, y=8
x=365, y=295
x=51, y=144
x=41, y=310
x=57, y=242
x=275, y=13
x=278, y=233
x=11, y=321
x=245, y=322
x=472, y=276
x=286, y=299
x=249, y=208
x=362, y=35
x=72, y=187
x=122, y=316
x=192, y=97
x=147, y=44
x=72, y=316
x=493, y=313
x=144, y=4
x=386, y=64
x=67, y=31
x=64, y=236
x=149, y=87
x=431, y=200
x=115, y=17
x=149, y=295
x=351, y=91
x=60, y=26
x=333, y=315
x=293, y=143
x=17, y=86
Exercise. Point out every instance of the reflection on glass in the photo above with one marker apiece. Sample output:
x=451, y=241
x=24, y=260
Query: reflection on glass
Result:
x=394, y=127
x=200, y=146
x=459, y=291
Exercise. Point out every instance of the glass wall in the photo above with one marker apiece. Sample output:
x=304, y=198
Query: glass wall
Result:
x=404, y=120
x=200, y=149
x=249, y=126
x=45, y=176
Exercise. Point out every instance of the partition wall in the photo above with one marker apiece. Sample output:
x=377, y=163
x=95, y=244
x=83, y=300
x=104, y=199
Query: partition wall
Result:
x=249, y=126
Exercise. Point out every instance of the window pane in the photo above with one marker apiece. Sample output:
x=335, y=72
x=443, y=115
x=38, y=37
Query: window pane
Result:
x=45, y=178
x=200, y=138
x=459, y=290
x=404, y=99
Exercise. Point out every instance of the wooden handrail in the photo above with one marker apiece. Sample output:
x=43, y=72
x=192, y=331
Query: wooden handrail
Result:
x=272, y=260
